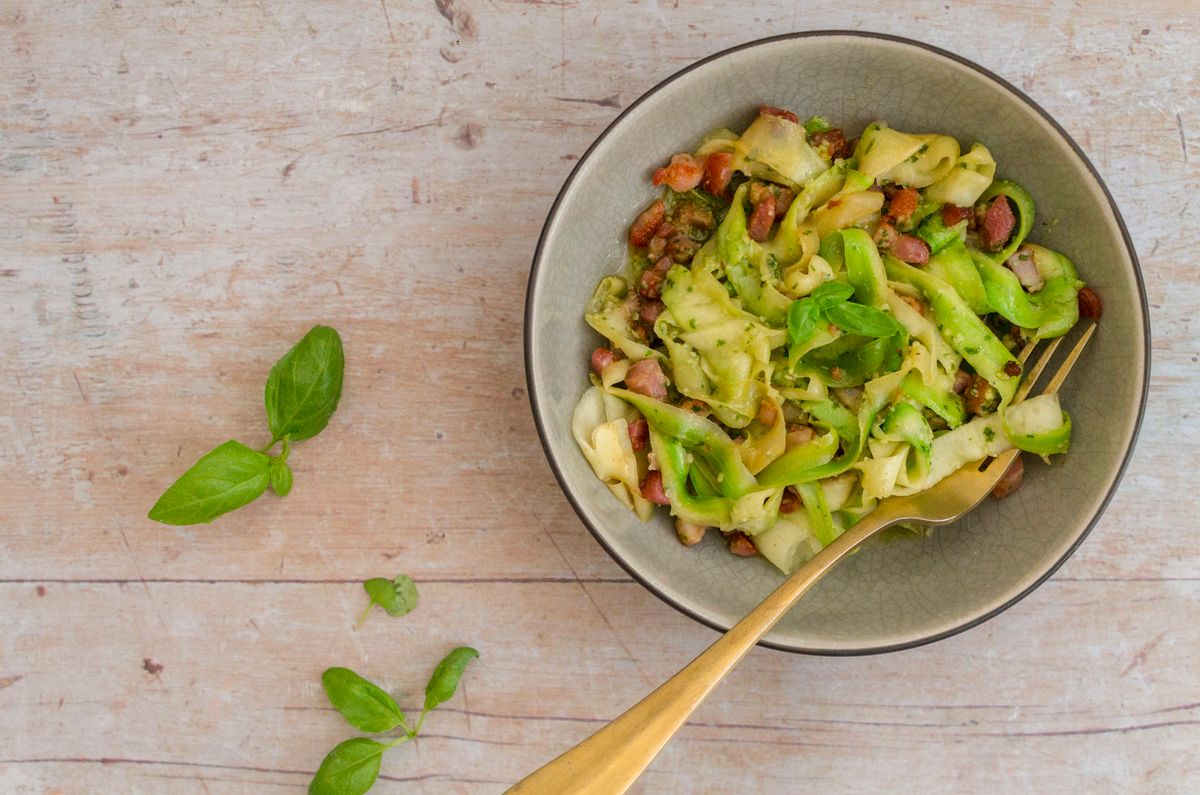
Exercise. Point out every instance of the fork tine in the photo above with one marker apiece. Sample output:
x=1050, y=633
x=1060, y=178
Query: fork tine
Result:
x=987, y=463
x=1035, y=372
x=1023, y=356
x=1069, y=362
x=963, y=489
x=1000, y=463
x=1003, y=461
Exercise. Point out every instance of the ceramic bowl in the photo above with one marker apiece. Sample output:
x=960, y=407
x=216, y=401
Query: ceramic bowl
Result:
x=895, y=595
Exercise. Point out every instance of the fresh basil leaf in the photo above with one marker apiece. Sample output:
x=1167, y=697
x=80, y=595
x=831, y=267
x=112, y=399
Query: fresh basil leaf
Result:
x=281, y=478
x=865, y=320
x=803, y=316
x=397, y=597
x=229, y=476
x=304, y=386
x=817, y=124
x=671, y=199
x=364, y=705
x=830, y=294
x=349, y=769
x=445, y=677
x=700, y=196
x=865, y=362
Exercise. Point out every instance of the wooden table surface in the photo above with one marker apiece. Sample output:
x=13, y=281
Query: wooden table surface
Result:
x=186, y=187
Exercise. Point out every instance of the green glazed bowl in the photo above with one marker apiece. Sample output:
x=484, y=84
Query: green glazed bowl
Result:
x=895, y=595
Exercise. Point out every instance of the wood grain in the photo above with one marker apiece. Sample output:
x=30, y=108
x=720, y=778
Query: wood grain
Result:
x=186, y=188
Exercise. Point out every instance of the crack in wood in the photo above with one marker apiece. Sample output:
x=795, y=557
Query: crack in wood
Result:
x=113, y=760
x=613, y=101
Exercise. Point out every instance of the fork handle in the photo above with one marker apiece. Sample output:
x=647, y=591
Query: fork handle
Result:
x=610, y=760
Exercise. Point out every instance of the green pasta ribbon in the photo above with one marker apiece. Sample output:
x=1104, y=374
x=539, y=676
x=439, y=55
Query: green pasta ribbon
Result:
x=1049, y=312
x=955, y=265
x=961, y=327
x=853, y=250
x=747, y=267
x=1022, y=203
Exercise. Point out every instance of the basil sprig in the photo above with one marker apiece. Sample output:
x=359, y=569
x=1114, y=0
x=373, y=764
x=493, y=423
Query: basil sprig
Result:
x=364, y=705
x=805, y=314
x=304, y=386
x=302, y=393
x=227, y=477
x=866, y=321
x=398, y=597
x=444, y=680
x=352, y=766
x=832, y=301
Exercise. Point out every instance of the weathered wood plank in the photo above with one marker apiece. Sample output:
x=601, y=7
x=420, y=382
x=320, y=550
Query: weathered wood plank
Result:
x=166, y=685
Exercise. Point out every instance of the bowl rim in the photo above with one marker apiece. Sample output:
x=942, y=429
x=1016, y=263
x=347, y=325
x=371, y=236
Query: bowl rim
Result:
x=559, y=476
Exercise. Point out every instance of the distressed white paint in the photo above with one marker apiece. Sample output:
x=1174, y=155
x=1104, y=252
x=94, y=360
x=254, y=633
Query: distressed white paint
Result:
x=186, y=188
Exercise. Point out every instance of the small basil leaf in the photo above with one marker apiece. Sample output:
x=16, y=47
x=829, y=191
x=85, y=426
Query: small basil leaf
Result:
x=281, y=478
x=228, y=476
x=397, y=597
x=349, y=769
x=305, y=385
x=865, y=320
x=830, y=294
x=445, y=677
x=700, y=196
x=817, y=124
x=364, y=705
x=803, y=316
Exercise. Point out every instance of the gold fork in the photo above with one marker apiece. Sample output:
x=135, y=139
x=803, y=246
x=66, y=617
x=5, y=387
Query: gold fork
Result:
x=610, y=760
